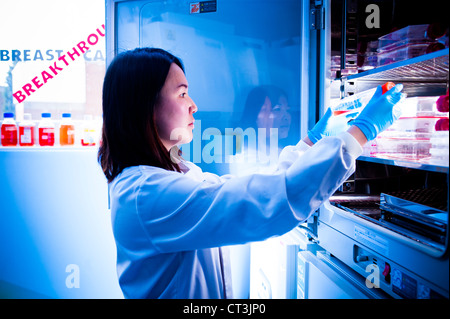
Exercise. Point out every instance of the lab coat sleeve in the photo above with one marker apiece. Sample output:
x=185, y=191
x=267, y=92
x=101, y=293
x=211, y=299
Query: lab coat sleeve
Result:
x=290, y=154
x=178, y=213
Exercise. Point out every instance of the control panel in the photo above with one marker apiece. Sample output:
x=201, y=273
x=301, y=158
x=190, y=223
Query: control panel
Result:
x=390, y=277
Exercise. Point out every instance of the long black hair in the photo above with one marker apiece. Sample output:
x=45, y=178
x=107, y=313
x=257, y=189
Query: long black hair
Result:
x=131, y=90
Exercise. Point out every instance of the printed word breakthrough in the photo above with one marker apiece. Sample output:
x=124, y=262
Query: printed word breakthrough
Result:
x=53, y=70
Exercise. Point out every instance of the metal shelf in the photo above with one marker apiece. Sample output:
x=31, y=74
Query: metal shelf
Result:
x=432, y=67
x=404, y=163
x=424, y=75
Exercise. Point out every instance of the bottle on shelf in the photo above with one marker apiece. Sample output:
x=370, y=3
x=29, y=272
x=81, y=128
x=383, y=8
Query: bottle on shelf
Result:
x=66, y=130
x=46, y=130
x=88, y=137
x=9, y=130
x=26, y=131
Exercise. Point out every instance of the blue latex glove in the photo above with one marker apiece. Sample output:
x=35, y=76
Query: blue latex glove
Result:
x=380, y=112
x=331, y=125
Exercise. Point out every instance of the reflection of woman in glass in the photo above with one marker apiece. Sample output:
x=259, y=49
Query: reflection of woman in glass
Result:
x=267, y=107
x=266, y=111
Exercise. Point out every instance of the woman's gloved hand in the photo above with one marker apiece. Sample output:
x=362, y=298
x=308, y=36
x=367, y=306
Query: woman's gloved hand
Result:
x=331, y=125
x=380, y=112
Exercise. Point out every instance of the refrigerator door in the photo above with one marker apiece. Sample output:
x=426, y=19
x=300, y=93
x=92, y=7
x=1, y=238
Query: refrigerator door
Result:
x=233, y=51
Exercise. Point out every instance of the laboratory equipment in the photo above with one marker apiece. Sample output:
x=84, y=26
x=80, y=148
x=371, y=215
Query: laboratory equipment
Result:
x=359, y=100
x=370, y=230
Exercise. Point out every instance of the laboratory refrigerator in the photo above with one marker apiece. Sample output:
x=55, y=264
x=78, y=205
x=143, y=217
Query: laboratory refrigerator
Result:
x=384, y=233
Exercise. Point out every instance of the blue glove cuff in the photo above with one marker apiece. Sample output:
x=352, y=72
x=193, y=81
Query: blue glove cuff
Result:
x=313, y=137
x=366, y=126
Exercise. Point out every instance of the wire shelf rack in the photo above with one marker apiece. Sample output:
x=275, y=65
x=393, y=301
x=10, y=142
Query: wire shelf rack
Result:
x=424, y=75
x=432, y=67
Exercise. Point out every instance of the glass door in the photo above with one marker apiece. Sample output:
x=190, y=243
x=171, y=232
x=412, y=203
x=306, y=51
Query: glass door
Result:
x=243, y=62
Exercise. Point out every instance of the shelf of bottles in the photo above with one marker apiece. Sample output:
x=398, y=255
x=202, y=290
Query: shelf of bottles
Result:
x=49, y=134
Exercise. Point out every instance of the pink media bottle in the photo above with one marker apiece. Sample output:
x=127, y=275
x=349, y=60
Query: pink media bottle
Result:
x=26, y=131
x=46, y=130
x=9, y=130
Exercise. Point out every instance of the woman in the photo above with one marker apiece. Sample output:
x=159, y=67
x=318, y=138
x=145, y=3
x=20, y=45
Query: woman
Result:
x=169, y=218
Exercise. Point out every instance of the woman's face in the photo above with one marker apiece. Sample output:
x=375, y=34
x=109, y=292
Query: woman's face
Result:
x=174, y=110
x=275, y=115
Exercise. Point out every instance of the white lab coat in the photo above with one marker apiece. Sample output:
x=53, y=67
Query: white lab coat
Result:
x=168, y=225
